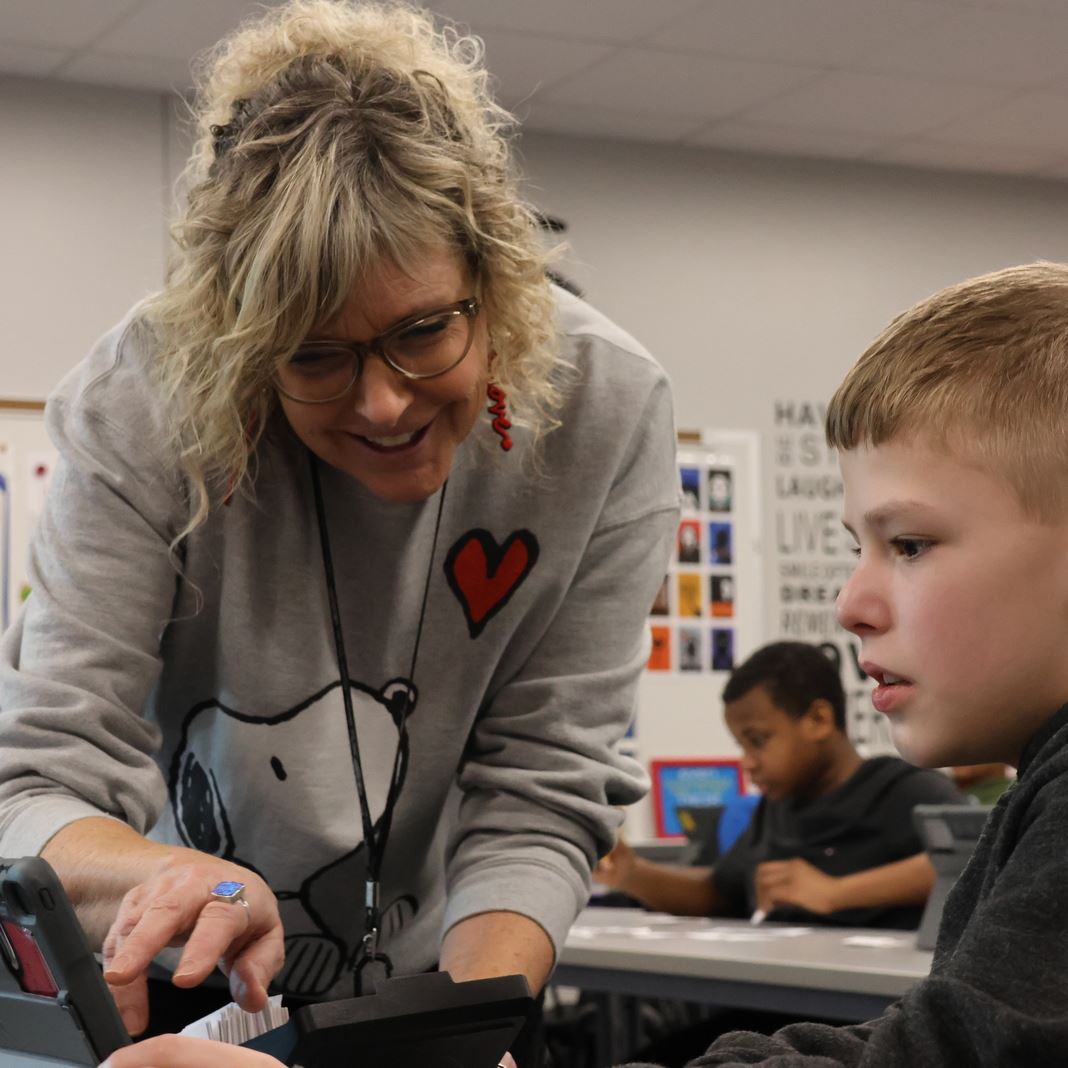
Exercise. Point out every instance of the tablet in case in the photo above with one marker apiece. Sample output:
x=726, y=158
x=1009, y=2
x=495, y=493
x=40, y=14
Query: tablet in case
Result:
x=415, y=1021
x=53, y=1000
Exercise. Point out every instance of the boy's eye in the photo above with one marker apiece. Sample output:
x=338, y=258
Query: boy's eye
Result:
x=910, y=548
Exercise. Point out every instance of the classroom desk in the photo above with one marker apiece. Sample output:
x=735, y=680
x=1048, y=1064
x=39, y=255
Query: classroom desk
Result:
x=814, y=971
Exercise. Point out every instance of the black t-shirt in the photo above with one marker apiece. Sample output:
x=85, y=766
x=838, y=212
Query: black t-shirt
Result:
x=864, y=823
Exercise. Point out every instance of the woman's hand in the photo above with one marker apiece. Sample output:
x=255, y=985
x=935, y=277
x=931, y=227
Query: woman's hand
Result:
x=178, y=1051
x=173, y=907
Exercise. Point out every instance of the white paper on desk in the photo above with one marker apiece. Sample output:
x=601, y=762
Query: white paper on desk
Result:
x=880, y=941
x=751, y=934
x=653, y=932
x=232, y=1024
x=646, y=933
x=659, y=926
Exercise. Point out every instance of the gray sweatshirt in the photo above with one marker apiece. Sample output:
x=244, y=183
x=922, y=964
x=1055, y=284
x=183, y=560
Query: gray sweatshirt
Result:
x=203, y=707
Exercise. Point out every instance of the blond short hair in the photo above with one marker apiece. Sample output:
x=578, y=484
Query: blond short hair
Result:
x=332, y=136
x=982, y=367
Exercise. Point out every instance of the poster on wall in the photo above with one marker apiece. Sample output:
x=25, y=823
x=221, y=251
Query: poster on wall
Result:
x=709, y=611
x=812, y=557
x=691, y=783
x=699, y=586
x=37, y=475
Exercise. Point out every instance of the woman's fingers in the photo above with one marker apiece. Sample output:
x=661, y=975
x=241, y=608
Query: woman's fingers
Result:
x=253, y=968
x=218, y=929
x=175, y=907
x=131, y=999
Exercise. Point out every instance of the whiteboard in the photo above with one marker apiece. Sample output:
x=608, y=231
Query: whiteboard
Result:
x=27, y=460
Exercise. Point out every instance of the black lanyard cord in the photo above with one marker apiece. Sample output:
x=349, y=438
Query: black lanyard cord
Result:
x=376, y=843
x=402, y=727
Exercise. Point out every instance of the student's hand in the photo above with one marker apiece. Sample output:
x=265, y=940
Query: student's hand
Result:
x=615, y=868
x=794, y=882
x=178, y=1051
x=174, y=907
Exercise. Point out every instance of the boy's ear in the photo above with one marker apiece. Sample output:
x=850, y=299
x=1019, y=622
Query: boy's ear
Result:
x=818, y=720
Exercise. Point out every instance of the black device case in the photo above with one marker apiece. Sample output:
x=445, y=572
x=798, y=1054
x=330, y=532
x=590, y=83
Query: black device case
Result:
x=409, y=1022
x=53, y=999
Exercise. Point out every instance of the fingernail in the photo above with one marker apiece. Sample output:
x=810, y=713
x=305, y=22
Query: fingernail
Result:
x=119, y=964
x=185, y=972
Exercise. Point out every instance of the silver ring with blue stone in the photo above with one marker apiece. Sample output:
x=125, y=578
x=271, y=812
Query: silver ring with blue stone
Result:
x=229, y=891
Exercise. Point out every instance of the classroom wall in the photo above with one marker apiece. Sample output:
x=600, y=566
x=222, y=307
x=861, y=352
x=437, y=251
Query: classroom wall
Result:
x=754, y=280
x=82, y=189
x=754, y=277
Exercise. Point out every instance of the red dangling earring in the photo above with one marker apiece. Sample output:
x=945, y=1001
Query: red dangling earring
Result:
x=501, y=423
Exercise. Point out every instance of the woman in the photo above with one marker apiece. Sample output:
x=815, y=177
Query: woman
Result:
x=338, y=595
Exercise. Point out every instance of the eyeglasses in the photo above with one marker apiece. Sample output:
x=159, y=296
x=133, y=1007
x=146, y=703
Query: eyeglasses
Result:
x=420, y=347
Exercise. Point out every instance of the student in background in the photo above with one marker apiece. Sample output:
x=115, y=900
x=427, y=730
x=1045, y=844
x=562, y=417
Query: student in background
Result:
x=951, y=439
x=984, y=783
x=831, y=841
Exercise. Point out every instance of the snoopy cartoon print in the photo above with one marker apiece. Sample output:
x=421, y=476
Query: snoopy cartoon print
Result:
x=277, y=793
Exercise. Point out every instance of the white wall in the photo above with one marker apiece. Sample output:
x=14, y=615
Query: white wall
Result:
x=82, y=190
x=757, y=277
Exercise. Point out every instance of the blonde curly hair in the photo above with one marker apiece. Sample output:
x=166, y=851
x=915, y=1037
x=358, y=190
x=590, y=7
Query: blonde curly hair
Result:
x=982, y=368
x=330, y=136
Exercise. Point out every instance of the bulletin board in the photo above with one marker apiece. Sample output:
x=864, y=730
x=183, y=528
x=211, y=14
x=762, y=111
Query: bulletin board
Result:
x=710, y=611
x=27, y=460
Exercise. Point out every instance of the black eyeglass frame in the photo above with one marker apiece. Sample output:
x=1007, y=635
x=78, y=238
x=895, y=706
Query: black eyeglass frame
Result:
x=469, y=308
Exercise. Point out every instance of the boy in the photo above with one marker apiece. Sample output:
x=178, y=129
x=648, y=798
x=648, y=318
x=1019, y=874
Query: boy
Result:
x=832, y=839
x=951, y=431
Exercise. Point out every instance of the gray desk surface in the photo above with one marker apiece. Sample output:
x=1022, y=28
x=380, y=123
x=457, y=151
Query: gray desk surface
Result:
x=815, y=971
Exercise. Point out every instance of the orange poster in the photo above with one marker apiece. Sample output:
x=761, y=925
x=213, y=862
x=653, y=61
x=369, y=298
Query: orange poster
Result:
x=660, y=657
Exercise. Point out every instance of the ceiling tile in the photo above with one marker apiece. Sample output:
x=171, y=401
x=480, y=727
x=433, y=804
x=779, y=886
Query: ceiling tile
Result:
x=594, y=122
x=130, y=72
x=33, y=62
x=983, y=46
x=58, y=23
x=523, y=63
x=618, y=21
x=758, y=137
x=941, y=155
x=653, y=82
x=177, y=30
x=1035, y=120
x=874, y=104
x=824, y=32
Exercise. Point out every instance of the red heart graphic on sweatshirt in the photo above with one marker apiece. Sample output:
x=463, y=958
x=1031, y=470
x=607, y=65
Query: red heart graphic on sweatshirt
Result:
x=484, y=575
